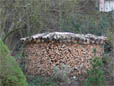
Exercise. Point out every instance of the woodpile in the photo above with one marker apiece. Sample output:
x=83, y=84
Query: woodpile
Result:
x=44, y=51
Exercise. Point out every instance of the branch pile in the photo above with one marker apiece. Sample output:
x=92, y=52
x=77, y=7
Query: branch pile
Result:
x=66, y=37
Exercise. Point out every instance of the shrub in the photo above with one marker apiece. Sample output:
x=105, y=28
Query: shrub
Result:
x=40, y=81
x=62, y=74
x=95, y=75
x=10, y=73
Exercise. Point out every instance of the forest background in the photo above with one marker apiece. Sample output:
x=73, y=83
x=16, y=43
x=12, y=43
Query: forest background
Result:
x=21, y=18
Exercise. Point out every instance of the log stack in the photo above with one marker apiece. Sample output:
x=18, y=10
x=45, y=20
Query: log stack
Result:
x=44, y=51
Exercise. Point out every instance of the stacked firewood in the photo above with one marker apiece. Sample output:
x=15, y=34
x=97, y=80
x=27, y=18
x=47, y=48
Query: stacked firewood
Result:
x=40, y=58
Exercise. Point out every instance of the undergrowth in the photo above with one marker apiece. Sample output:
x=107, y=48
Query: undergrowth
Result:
x=95, y=76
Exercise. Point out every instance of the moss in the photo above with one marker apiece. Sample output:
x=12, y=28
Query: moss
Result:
x=10, y=73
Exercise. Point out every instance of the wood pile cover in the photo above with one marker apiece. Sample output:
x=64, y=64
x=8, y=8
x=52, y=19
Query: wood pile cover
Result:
x=44, y=51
